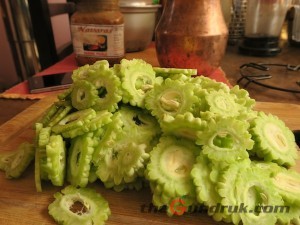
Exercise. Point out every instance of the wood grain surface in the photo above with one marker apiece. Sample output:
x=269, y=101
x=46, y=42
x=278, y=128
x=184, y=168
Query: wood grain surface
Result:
x=20, y=204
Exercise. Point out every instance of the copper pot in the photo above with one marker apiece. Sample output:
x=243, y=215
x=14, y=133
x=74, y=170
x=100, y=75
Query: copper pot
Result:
x=191, y=34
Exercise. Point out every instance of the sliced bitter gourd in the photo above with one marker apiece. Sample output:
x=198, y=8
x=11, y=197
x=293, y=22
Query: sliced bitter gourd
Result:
x=83, y=95
x=20, y=161
x=287, y=183
x=171, y=162
x=165, y=72
x=5, y=159
x=170, y=98
x=260, y=196
x=183, y=125
x=274, y=141
x=56, y=160
x=138, y=77
x=226, y=139
x=79, y=160
x=74, y=120
x=79, y=206
x=108, y=86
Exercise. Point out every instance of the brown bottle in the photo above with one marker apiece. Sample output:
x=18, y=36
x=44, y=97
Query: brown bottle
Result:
x=191, y=34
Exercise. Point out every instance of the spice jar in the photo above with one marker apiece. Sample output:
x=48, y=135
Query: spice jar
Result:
x=97, y=29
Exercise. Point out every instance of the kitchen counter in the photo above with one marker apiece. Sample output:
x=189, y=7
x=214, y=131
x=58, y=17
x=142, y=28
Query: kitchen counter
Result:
x=230, y=65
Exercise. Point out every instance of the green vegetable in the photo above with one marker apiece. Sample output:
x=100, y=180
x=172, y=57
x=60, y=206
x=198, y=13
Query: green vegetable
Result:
x=168, y=171
x=84, y=94
x=170, y=99
x=16, y=162
x=79, y=206
x=165, y=72
x=226, y=140
x=79, y=160
x=138, y=77
x=273, y=140
x=56, y=160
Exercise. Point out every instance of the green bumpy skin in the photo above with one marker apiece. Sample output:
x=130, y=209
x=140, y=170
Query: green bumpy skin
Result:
x=171, y=162
x=183, y=125
x=287, y=183
x=226, y=140
x=248, y=185
x=95, y=124
x=257, y=190
x=74, y=120
x=20, y=160
x=171, y=98
x=123, y=163
x=55, y=113
x=79, y=160
x=84, y=94
x=139, y=125
x=168, y=172
x=166, y=72
x=205, y=176
x=274, y=141
x=56, y=160
x=108, y=85
x=138, y=77
x=95, y=209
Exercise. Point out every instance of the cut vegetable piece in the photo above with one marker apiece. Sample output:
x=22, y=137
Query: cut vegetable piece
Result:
x=5, y=159
x=20, y=161
x=169, y=175
x=183, y=125
x=165, y=72
x=170, y=165
x=81, y=206
x=226, y=140
x=56, y=160
x=170, y=98
x=81, y=73
x=102, y=118
x=79, y=160
x=139, y=125
x=108, y=86
x=62, y=111
x=242, y=97
x=84, y=94
x=138, y=77
x=274, y=141
x=44, y=135
x=222, y=104
x=259, y=195
x=123, y=163
x=287, y=183
x=74, y=120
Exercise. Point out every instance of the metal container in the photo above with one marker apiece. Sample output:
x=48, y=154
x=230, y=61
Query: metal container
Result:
x=140, y=19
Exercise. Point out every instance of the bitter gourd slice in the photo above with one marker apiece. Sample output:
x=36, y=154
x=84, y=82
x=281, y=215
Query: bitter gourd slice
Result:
x=287, y=183
x=20, y=160
x=226, y=139
x=274, y=141
x=79, y=206
x=83, y=95
x=170, y=164
x=56, y=160
x=170, y=98
x=138, y=77
x=166, y=72
x=79, y=160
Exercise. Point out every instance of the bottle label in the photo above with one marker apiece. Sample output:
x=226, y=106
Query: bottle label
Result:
x=98, y=41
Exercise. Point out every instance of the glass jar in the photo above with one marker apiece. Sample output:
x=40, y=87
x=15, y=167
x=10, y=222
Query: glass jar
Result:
x=97, y=29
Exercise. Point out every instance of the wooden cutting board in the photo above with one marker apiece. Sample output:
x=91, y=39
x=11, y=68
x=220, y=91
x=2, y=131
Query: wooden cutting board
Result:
x=20, y=204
